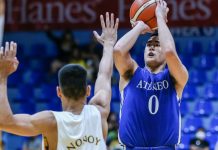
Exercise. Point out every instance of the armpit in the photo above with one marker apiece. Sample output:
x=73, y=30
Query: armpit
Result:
x=128, y=74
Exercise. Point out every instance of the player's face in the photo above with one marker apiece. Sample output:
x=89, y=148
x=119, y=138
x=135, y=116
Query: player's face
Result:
x=153, y=55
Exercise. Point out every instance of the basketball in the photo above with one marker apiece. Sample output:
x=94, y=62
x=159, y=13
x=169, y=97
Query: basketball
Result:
x=144, y=10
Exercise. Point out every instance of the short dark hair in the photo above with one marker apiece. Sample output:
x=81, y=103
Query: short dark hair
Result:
x=72, y=81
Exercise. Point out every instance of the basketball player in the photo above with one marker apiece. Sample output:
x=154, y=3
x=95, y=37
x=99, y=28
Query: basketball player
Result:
x=149, y=116
x=79, y=126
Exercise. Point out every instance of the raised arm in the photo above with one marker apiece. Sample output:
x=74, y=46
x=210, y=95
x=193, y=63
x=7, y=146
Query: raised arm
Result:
x=176, y=68
x=122, y=58
x=102, y=95
x=22, y=124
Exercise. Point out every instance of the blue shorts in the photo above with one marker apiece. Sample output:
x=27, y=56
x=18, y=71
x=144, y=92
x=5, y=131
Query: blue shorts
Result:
x=151, y=148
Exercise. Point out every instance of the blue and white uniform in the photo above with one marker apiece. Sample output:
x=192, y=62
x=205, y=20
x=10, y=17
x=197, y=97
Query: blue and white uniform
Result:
x=149, y=115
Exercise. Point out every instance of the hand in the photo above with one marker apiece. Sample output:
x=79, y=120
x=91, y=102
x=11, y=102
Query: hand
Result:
x=8, y=60
x=162, y=10
x=109, y=30
x=143, y=27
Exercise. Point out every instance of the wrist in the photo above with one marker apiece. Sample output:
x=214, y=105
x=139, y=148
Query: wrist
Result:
x=160, y=18
x=3, y=79
x=140, y=27
x=109, y=43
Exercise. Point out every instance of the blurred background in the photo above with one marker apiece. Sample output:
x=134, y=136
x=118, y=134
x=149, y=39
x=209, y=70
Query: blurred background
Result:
x=51, y=33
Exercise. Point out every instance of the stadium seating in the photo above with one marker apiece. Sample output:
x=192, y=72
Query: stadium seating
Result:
x=212, y=48
x=184, y=108
x=197, y=77
x=192, y=124
x=214, y=125
x=38, y=50
x=184, y=145
x=205, y=62
x=193, y=48
x=190, y=92
x=13, y=142
x=203, y=108
x=215, y=77
x=210, y=91
x=212, y=139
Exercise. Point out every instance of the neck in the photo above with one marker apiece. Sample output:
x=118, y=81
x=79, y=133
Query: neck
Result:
x=74, y=106
x=156, y=69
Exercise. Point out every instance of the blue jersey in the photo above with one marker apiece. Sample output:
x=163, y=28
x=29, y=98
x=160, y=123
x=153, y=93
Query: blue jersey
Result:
x=149, y=115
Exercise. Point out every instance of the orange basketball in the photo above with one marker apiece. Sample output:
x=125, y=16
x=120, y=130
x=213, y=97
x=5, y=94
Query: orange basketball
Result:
x=144, y=10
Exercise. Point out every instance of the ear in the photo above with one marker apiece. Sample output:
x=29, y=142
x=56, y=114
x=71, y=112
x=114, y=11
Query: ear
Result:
x=58, y=90
x=88, y=90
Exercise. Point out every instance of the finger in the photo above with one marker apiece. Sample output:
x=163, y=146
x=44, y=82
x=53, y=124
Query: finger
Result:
x=11, y=49
x=102, y=22
x=116, y=24
x=112, y=20
x=1, y=52
x=165, y=4
x=14, y=49
x=97, y=36
x=107, y=20
x=168, y=10
x=6, y=53
x=16, y=63
x=161, y=2
x=134, y=23
x=158, y=3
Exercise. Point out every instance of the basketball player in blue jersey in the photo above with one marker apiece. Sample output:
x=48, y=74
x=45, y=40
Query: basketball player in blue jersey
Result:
x=79, y=126
x=149, y=116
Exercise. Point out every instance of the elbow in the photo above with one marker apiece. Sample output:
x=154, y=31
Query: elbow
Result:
x=186, y=76
x=170, y=54
x=169, y=47
x=6, y=121
x=118, y=49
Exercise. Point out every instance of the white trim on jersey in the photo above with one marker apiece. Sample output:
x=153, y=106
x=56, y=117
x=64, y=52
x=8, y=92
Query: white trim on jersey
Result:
x=180, y=121
x=180, y=124
x=121, y=105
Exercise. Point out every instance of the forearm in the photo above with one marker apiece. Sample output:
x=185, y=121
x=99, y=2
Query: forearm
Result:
x=125, y=44
x=106, y=63
x=5, y=110
x=176, y=68
x=165, y=37
x=105, y=67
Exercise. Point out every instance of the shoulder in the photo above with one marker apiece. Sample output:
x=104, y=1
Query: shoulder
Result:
x=43, y=120
x=43, y=115
x=93, y=110
x=128, y=76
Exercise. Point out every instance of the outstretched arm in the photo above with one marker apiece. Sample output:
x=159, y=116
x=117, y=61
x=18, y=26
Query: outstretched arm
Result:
x=176, y=68
x=102, y=95
x=22, y=124
x=123, y=61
